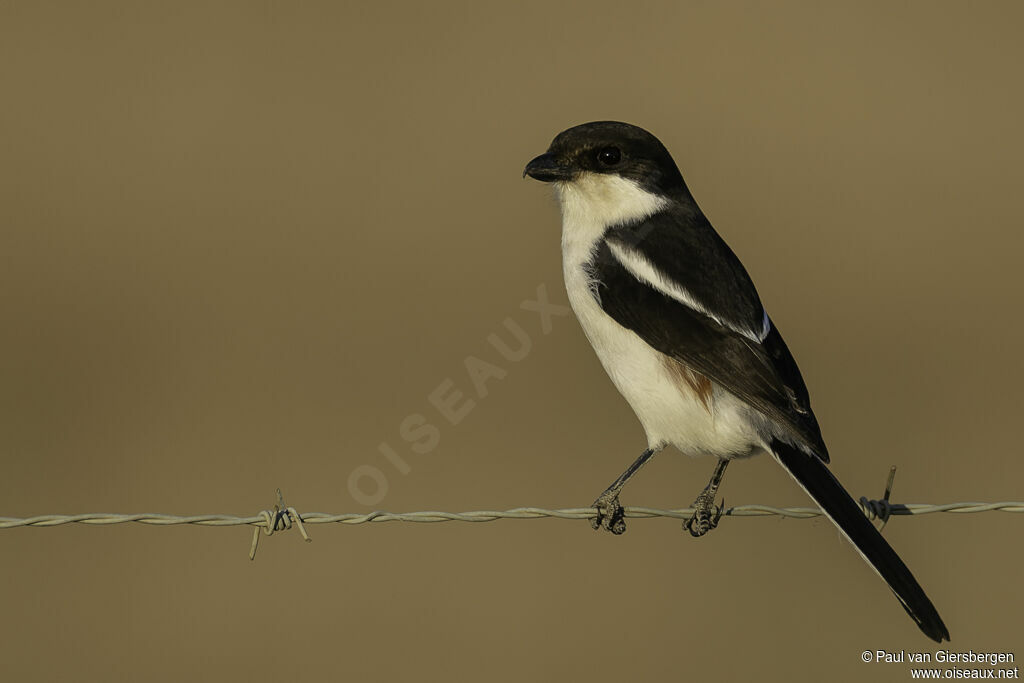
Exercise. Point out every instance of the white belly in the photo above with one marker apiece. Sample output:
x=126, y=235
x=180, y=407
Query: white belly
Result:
x=669, y=410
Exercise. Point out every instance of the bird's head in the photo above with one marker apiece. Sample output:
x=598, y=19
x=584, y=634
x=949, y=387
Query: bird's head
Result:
x=611, y=149
x=609, y=171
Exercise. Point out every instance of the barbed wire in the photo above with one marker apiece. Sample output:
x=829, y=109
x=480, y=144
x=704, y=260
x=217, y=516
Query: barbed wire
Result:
x=283, y=517
x=158, y=519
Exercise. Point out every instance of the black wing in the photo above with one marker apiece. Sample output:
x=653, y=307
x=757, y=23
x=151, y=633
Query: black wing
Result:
x=763, y=373
x=682, y=244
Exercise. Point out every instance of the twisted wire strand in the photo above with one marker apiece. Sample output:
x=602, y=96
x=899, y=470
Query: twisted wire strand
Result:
x=275, y=520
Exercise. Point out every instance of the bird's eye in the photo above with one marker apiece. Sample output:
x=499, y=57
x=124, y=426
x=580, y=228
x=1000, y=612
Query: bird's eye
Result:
x=609, y=156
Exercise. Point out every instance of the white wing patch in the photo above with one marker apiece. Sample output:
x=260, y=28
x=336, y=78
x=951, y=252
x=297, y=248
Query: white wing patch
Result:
x=766, y=326
x=643, y=270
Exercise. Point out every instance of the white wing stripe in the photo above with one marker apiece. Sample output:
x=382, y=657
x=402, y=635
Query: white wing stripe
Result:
x=766, y=326
x=643, y=270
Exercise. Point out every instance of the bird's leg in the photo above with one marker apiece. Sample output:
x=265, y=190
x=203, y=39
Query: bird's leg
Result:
x=610, y=514
x=705, y=513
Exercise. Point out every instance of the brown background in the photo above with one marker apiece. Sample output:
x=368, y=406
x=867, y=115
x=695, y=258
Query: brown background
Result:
x=241, y=244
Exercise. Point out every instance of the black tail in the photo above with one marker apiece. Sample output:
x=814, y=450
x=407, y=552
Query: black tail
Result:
x=812, y=474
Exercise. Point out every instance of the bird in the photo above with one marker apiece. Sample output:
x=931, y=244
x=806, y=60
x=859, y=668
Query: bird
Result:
x=680, y=329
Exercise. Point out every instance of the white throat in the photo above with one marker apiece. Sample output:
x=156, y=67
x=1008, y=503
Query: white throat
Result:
x=594, y=201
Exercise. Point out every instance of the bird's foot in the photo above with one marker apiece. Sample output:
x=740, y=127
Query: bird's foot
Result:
x=705, y=514
x=610, y=513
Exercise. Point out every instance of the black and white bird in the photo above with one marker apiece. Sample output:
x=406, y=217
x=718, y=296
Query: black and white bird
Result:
x=680, y=329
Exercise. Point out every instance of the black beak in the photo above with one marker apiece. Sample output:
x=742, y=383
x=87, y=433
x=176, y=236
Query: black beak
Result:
x=546, y=169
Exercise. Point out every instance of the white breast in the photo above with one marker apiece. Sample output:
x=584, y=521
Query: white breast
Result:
x=669, y=410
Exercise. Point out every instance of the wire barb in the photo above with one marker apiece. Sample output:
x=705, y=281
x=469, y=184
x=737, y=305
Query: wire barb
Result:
x=281, y=518
x=880, y=509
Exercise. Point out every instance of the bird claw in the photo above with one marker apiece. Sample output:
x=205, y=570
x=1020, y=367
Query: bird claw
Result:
x=705, y=515
x=610, y=514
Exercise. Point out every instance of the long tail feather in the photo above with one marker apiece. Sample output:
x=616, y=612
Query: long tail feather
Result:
x=829, y=494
